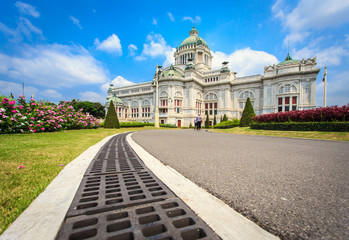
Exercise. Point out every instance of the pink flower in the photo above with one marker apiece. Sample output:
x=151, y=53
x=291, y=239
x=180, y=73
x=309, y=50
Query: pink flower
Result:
x=34, y=130
x=20, y=166
x=61, y=165
x=14, y=111
x=12, y=102
x=33, y=104
x=20, y=107
x=43, y=129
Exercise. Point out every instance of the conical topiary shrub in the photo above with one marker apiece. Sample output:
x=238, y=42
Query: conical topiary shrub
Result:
x=247, y=114
x=214, y=120
x=111, y=120
x=225, y=118
x=207, y=122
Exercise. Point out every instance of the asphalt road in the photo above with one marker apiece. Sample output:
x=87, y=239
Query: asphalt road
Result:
x=294, y=188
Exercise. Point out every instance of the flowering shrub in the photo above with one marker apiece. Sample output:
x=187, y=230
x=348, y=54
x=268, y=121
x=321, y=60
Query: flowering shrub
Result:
x=324, y=114
x=33, y=117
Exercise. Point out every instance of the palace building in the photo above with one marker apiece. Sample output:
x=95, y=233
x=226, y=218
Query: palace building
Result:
x=190, y=87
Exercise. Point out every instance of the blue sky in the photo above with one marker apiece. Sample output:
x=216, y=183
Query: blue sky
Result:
x=73, y=49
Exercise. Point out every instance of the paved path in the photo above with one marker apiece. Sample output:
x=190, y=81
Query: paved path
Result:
x=295, y=188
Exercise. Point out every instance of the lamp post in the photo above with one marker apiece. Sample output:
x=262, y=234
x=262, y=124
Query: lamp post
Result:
x=325, y=81
x=158, y=70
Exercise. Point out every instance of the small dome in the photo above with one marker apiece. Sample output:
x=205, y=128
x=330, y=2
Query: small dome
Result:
x=115, y=100
x=288, y=60
x=171, y=72
x=193, y=39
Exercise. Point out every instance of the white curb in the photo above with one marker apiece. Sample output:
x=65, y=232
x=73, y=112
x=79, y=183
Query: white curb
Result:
x=44, y=216
x=226, y=222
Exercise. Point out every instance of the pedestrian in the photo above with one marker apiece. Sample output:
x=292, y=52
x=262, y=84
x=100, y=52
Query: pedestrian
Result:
x=195, y=124
x=198, y=121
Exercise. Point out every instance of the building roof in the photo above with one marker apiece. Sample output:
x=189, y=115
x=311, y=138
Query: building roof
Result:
x=115, y=100
x=171, y=72
x=288, y=60
x=193, y=39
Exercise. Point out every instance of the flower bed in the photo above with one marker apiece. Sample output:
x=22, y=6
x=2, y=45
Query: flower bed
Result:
x=228, y=124
x=325, y=114
x=304, y=126
x=33, y=117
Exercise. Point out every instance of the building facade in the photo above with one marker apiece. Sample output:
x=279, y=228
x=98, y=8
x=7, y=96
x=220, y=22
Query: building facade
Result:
x=191, y=86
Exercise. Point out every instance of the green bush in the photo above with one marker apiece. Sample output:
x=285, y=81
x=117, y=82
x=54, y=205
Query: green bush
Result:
x=225, y=118
x=247, y=114
x=168, y=125
x=111, y=120
x=134, y=124
x=207, y=122
x=228, y=124
x=304, y=126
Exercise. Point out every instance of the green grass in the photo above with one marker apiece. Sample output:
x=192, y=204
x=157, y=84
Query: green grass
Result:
x=40, y=154
x=338, y=136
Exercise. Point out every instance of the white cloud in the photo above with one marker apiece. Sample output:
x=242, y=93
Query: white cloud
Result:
x=155, y=46
x=117, y=82
x=54, y=66
x=24, y=27
x=169, y=57
x=310, y=15
x=132, y=49
x=27, y=9
x=75, y=21
x=330, y=57
x=244, y=61
x=155, y=22
x=196, y=20
x=51, y=93
x=6, y=88
x=171, y=17
x=93, y=97
x=111, y=44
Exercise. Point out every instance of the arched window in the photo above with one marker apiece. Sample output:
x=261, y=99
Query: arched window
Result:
x=211, y=104
x=178, y=94
x=164, y=94
x=146, y=109
x=135, y=110
x=243, y=98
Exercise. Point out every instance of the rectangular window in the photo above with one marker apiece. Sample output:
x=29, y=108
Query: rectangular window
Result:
x=279, y=109
x=210, y=112
x=287, y=100
x=215, y=105
x=294, y=108
x=294, y=100
x=287, y=108
x=280, y=101
x=241, y=105
x=206, y=106
x=211, y=106
x=215, y=111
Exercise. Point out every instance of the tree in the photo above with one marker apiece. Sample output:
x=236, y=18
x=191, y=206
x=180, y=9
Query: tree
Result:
x=221, y=119
x=100, y=110
x=247, y=114
x=214, y=120
x=111, y=120
x=225, y=118
x=207, y=122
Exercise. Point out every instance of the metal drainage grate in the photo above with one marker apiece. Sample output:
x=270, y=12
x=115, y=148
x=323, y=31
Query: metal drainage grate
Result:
x=119, y=198
x=115, y=191
x=169, y=219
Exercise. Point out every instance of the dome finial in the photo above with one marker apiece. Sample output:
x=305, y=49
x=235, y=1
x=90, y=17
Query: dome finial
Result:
x=193, y=32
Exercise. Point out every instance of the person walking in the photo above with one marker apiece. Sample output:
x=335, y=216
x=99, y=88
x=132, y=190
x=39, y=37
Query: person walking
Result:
x=198, y=121
x=195, y=124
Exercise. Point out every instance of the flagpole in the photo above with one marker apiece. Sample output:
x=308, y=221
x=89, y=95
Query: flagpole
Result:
x=325, y=80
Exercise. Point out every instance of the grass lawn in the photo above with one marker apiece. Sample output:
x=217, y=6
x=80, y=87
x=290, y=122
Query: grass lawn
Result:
x=40, y=154
x=338, y=136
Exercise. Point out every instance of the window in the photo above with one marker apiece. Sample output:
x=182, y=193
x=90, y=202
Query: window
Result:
x=287, y=103
x=288, y=88
x=134, y=110
x=163, y=103
x=146, y=109
x=178, y=106
x=243, y=98
x=198, y=107
x=211, y=108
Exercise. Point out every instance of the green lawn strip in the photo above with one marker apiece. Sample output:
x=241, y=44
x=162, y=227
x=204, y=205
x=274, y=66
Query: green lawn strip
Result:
x=338, y=136
x=40, y=154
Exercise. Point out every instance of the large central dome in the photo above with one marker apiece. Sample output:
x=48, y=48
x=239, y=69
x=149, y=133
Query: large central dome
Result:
x=193, y=39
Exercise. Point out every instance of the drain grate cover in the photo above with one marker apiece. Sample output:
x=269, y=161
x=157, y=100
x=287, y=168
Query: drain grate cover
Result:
x=119, y=198
x=169, y=219
x=119, y=190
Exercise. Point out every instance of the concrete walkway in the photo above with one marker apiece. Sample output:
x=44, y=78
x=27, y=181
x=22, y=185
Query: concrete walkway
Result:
x=44, y=217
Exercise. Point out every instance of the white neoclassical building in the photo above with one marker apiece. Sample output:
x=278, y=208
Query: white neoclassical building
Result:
x=190, y=86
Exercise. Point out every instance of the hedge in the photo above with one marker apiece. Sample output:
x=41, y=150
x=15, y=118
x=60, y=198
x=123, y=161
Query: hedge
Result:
x=227, y=124
x=304, y=126
x=168, y=125
x=134, y=124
